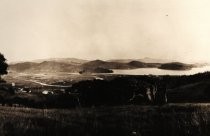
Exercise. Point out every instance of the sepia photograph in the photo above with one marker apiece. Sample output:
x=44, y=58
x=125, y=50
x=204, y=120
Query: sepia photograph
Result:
x=104, y=68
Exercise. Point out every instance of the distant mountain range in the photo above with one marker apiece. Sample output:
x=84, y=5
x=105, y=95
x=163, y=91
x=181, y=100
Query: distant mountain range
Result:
x=145, y=60
x=73, y=65
x=63, y=60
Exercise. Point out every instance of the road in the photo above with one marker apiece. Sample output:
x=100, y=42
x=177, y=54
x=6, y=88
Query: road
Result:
x=48, y=85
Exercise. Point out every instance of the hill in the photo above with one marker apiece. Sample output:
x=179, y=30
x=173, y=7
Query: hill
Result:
x=176, y=66
x=73, y=61
x=138, y=64
x=195, y=92
x=118, y=65
x=105, y=64
x=20, y=67
x=72, y=65
x=46, y=66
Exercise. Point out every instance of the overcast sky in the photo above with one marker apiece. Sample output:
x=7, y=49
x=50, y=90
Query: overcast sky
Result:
x=105, y=29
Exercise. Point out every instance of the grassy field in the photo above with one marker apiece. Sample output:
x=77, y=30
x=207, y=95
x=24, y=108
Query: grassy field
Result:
x=49, y=78
x=167, y=120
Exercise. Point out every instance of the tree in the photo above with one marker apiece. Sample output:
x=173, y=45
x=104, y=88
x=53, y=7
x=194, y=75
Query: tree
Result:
x=3, y=65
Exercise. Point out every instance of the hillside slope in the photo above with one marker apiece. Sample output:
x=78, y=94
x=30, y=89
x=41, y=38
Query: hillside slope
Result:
x=176, y=66
x=195, y=92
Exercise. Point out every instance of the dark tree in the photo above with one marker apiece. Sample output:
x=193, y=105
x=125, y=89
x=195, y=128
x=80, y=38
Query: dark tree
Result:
x=3, y=65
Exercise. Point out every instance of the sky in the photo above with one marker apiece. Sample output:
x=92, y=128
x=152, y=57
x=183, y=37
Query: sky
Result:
x=105, y=29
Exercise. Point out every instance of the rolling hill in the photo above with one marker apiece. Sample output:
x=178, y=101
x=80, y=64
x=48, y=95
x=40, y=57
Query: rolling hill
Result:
x=104, y=64
x=72, y=65
x=176, y=66
x=194, y=92
x=46, y=66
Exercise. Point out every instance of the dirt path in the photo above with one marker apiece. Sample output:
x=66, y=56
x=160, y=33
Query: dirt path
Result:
x=49, y=85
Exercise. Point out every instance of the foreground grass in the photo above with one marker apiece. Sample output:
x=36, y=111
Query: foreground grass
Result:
x=168, y=120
